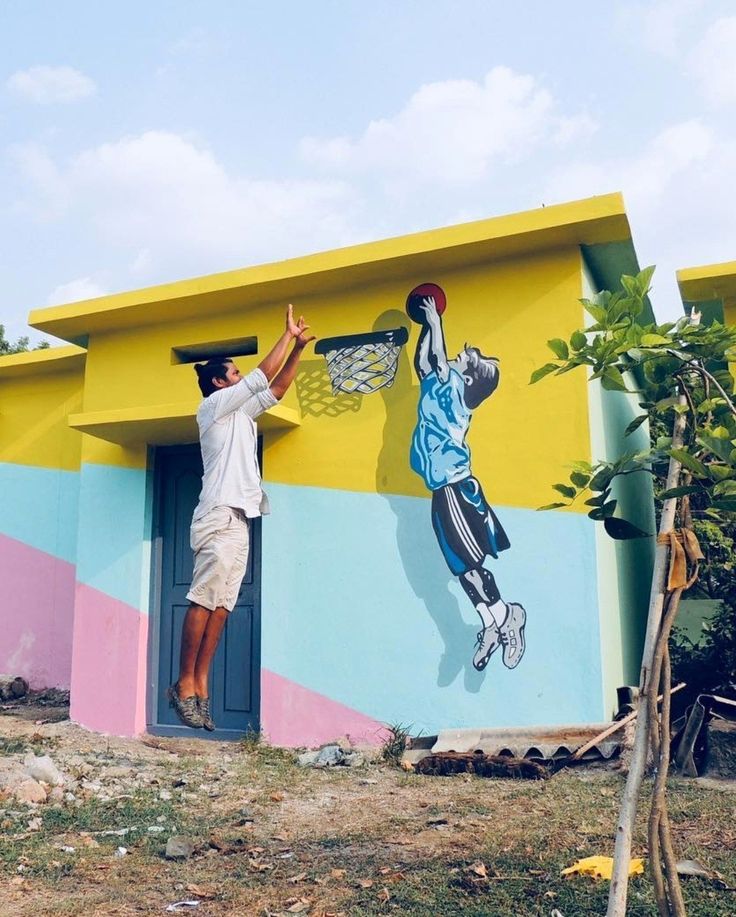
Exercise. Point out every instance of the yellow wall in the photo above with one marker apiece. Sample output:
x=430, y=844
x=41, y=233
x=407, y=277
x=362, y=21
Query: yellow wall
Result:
x=522, y=438
x=33, y=418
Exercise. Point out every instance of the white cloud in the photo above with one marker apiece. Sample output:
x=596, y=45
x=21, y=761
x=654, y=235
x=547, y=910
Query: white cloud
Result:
x=169, y=208
x=452, y=132
x=75, y=291
x=662, y=26
x=645, y=176
x=713, y=63
x=45, y=85
x=679, y=195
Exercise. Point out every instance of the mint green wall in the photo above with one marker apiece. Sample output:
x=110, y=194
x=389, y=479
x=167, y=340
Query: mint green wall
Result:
x=624, y=567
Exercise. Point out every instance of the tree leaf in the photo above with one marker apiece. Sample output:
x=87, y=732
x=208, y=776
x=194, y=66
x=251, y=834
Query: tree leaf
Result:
x=679, y=491
x=719, y=472
x=635, y=424
x=542, y=372
x=718, y=445
x=689, y=461
x=579, y=479
x=726, y=504
x=612, y=380
x=601, y=479
x=622, y=530
x=541, y=509
x=595, y=311
x=566, y=491
x=655, y=340
x=578, y=340
x=603, y=512
x=559, y=348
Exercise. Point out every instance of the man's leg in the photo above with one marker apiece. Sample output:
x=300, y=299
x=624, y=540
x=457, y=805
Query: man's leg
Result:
x=207, y=647
x=193, y=630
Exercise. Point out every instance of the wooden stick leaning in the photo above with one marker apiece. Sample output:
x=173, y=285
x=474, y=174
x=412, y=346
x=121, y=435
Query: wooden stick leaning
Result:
x=579, y=752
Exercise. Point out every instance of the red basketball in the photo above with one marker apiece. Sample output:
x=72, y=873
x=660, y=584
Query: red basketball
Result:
x=414, y=300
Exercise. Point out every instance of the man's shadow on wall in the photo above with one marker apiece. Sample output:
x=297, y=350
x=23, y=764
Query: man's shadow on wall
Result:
x=422, y=560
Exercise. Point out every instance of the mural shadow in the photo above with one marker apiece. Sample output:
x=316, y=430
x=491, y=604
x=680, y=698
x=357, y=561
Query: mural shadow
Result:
x=314, y=392
x=422, y=560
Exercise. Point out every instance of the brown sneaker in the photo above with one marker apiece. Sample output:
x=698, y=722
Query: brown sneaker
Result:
x=203, y=704
x=185, y=707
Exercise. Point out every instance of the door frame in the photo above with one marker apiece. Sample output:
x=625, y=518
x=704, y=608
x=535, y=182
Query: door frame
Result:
x=154, y=630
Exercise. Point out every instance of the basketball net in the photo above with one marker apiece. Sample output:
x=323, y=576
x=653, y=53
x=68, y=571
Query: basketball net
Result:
x=362, y=363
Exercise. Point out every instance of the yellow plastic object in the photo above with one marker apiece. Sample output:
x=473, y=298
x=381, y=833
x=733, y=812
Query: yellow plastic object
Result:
x=601, y=867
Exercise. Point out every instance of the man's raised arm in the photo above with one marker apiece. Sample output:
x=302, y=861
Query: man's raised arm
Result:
x=286, y=374
x=271, y=363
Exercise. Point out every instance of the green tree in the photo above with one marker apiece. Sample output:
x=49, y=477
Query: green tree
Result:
x=21, y=345
x=679, y=370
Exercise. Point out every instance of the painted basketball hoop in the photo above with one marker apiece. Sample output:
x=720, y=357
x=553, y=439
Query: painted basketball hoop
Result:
x=362, y=363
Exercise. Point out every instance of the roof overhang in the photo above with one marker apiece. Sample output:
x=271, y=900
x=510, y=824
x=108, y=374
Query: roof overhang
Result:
x=594, y=221
x=46, y=361
x=164, y=424
x=708, y=287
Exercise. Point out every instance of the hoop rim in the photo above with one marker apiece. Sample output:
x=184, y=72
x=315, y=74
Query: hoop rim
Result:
x=397, y=336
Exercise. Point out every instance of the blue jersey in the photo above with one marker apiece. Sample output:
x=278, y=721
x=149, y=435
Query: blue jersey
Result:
x=439, y=453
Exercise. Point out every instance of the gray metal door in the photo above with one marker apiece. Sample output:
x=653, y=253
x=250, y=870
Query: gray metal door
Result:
x=235, y=673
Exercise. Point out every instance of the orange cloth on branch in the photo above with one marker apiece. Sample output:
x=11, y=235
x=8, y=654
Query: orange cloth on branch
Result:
x=684, y=546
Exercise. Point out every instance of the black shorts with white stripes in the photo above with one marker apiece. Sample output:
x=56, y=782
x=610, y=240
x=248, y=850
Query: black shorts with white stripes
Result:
x=467, y=529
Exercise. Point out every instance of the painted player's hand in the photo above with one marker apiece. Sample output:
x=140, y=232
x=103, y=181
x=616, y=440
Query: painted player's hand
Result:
x=302, y=338
x=429, y=306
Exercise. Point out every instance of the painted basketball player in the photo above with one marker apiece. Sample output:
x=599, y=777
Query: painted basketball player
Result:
x=468, y=531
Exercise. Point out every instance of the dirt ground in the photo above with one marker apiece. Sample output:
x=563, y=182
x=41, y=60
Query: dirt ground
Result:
x=273, y=838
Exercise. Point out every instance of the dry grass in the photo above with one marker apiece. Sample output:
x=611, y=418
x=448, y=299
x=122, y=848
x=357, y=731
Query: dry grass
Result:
x=277, y=839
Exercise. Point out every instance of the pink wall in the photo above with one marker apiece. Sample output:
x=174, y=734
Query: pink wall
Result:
x=292, y=715
x=109, y=664
x=37, y=614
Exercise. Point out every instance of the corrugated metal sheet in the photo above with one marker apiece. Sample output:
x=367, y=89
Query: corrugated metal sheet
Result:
x=545, y=743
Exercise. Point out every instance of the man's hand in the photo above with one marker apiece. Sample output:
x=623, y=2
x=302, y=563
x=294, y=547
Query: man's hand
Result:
x=292, y=326
x=302, y=338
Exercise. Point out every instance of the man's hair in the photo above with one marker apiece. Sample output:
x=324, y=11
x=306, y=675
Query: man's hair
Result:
x=483, y=374
x=212, y=369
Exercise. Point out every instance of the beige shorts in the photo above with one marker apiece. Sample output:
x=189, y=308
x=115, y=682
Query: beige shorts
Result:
x=220, y=542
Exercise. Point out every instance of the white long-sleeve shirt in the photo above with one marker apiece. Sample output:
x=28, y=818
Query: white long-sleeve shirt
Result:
x=228, y=438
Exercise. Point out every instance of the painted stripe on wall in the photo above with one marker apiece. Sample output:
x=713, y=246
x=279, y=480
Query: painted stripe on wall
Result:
x=108, y=691
x=292, y=715
x=113, y=551
x=359, y=606
x=38, y=609
x=39, y=507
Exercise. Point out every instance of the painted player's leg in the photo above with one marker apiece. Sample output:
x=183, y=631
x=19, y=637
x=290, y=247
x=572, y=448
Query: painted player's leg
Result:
x=480, y=587
x=503, y=622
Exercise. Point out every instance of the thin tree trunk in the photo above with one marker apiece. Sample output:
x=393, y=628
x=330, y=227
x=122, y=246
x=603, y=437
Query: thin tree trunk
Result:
x=669, y=902
x=627, y=813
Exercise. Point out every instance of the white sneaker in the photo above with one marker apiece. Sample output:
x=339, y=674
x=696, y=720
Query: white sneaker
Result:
x=511, y=634
x=489, y=641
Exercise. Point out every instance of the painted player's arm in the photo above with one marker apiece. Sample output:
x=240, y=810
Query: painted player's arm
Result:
x=273, y=360
x=285, y=375
x=431, y=351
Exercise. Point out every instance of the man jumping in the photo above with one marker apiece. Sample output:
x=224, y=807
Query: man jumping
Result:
x=467, y=529
x=231, y=495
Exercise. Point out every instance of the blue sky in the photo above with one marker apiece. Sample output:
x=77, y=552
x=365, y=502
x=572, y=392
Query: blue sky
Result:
x=145, y=142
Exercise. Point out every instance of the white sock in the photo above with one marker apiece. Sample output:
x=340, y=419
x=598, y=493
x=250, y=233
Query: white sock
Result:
x=498, y=610
x=492, y=615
